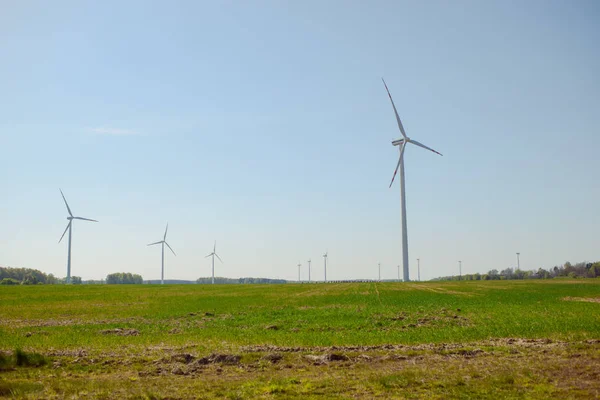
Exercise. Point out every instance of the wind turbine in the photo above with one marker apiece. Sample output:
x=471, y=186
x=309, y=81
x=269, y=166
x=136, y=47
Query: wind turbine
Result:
x=299, y=265
x=379, y=265
x=70, y=229
x=163, y=242
x=402, y=145
x=309, y=270
x=213, y=254
x=325, y=259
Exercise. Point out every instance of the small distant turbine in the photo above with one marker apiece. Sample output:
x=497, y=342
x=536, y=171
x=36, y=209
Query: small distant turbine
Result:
x=419, y=268
x=379, y=265
x=401, y=143
x=325, y=259
x=309, y=270
x=460, y=270
x=162, y=258
x=70, y=229
x=299, y=265
x=213, y=254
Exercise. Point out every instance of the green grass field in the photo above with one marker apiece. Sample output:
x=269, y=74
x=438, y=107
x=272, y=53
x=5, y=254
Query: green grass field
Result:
x=500, y=339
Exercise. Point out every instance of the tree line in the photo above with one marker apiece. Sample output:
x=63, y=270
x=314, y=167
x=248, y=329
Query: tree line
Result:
x=28, y=276
x=567, y=270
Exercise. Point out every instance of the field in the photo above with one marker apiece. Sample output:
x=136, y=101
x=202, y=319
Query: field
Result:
x=498, y=339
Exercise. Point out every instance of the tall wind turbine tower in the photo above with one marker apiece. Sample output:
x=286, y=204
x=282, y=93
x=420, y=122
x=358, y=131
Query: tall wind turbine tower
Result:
x=325, y=259
x=419, y=269
x=379, y=265
x=299, y=265
x=162, y=257
x=213, y=254
x=309, y=270
x=401, y=143
x=70, y=229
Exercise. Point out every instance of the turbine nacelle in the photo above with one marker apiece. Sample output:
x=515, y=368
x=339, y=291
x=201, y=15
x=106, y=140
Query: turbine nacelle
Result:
x=399, y=142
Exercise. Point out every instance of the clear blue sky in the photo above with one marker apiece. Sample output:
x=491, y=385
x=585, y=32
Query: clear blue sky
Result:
x=265, y=125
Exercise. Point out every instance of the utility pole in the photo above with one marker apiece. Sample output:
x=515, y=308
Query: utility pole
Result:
x=419, y=269
x=460, y=270
x=518, y=261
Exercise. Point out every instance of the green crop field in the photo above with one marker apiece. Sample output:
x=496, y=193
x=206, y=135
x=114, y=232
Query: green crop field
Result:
x=498, y=339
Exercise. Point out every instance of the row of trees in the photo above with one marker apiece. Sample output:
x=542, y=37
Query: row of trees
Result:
x=124, y=278
x=28, y=276
x=568, y=270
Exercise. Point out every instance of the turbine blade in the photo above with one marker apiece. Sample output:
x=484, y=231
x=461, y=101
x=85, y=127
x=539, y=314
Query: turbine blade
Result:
x=425, y=147
x=66, y=229
x=395, y=111
x=170, y=249
x=166, y=229
x=219, y=258
x=85, y=219
x=66, y=204
x=152, y=244
x=399, y=161
x=209, y=255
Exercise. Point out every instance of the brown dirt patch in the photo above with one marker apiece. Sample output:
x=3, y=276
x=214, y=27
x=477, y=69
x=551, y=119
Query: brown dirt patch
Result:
x=121, y=332
x=583, y=299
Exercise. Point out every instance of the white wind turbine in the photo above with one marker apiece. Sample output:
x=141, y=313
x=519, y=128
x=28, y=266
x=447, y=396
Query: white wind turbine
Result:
x=402, y=144
x=70, y=229
x=325, y=259
x=163, y=242
x=309, y=261
x=213, y=254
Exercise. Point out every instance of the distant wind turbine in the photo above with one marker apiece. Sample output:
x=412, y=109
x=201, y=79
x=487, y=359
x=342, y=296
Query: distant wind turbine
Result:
x=402, y=144
x=299, y=265
x=162, y=267
x=325, y=259
x=309, y=270
x=213, y=254
x=379, y=265
x=70, y=229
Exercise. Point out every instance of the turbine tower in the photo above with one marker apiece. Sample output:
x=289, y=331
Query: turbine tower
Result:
x=401, y=143
x=70, y=229
x=213, y=254
x=379, y=265
x=325, y=259
x=419, y=269
x=162, y=259
x=309, y=270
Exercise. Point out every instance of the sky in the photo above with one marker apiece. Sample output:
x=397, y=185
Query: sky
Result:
x=265, y=126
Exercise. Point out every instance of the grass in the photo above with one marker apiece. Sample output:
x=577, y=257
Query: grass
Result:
x=442, y=339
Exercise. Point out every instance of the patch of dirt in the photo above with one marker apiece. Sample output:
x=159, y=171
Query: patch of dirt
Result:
x=227, y=359
x=121, y=332
x=518, y=342
x=325, y=358
x=273, y=357
x=272, y=327
x=583, y=299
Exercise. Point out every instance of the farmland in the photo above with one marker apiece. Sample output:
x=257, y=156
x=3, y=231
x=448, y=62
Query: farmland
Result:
x=516, y=339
